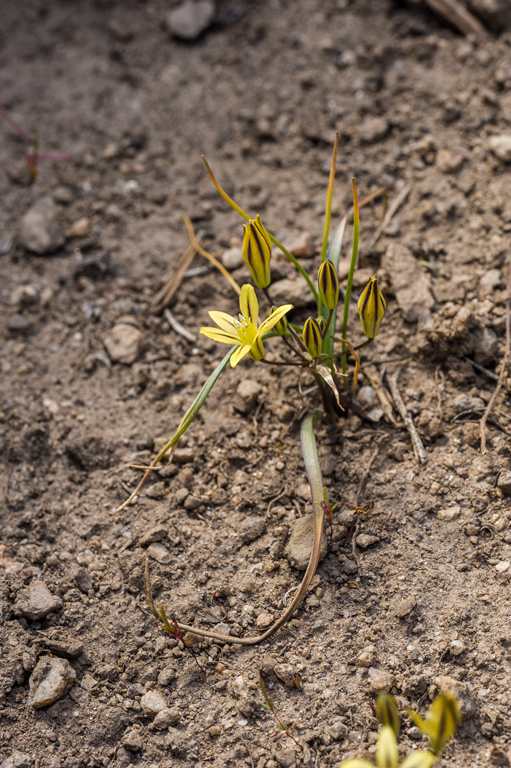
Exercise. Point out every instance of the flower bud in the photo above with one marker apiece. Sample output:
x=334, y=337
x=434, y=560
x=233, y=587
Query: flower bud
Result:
x=328, y=284
x=281, y=325
x=257, y=252
x=312, y=337
x=322, y=325
x=371, y=308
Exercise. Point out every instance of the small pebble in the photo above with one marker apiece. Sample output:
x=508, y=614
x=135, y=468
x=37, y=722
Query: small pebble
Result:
x=287, y=673
x=36, y=601
x=379, y=680
x=365, y=540
x=251, y=528
x=456, y=647
x=124, y=343
x=232, y=258
x=247, y=395
x=49, y=681
x=160, y=553
x=190, y=19
x=153, y=702
x=40, y=229
x=166, y=717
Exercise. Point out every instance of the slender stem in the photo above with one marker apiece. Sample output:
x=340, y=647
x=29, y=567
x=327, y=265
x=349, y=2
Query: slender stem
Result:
x=354, y=253
x=313, y=469
x=193, y=241
x=329, y=320
x=328, y=207
x=296, y=264
x=278, y=362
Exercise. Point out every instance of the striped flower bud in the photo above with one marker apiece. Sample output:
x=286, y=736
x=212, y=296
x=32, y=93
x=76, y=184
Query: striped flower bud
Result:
x=257, y=252
x=281, y=325
x=312, y=337
x=328, y=284
x=371, y=308
x=322, y=325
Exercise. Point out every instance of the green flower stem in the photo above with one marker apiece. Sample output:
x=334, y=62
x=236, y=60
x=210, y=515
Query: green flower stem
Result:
x=354, y=254
x=313, y=469
x=185, y=422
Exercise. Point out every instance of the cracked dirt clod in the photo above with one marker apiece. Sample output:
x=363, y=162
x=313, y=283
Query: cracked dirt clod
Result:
x=299, y=546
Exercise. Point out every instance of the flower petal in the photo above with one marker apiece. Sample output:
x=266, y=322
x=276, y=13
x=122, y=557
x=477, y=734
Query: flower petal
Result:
x=224, y=321
x=249, y=306
x=222, y=336
x=274, y=318
x=239, y=353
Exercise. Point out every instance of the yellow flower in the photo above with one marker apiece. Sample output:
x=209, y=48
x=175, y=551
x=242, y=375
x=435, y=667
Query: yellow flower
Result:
x=257, y=252
x=328, y=283
x=371, y=308
x=244, y=331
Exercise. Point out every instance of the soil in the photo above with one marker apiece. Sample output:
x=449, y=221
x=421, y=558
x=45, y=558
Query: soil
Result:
x=260, y=93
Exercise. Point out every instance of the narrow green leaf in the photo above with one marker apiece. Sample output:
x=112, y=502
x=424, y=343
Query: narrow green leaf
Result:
x=386, y=748
x=387, y=711
x=197, y=404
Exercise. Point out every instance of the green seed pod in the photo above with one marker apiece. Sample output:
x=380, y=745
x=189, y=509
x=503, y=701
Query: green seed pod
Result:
x=312, y=337
x=328, y=284
x=257, y=252
x=371, y=308
x=281, y=325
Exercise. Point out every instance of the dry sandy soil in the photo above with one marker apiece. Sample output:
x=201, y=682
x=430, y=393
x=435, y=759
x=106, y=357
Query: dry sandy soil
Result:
x=261, y=93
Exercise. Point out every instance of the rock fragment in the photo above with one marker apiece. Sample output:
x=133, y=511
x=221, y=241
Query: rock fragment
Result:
x=373, y=129
x=16, y=760
x=68, y=647
x=501, y=147
x=504, y=483
x=153, y=702
x=286, y=758
x=247, y=395
x=166, y=717
x=264, y=620
x=379, y=680
x=156, y=533
x=405, y=606
x=124, y=343
x=288, y=673
x=49, y=681
x=232, y=258
x=251, y=528
x=367, y=656
x=40, y=230
x=365, y=540
x=457, y=647
x=302, y=246
x=159, y=552
x=36, y=601
x=298, y=548
x=132, y=740
x=190, y=19
x=447, y=161
x=461, y=691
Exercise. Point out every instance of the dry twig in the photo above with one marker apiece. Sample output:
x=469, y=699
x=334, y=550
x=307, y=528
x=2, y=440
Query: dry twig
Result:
x=418, y=448
x=169, y=289
x=505, y=361
x=177, y=327
x=457, y=15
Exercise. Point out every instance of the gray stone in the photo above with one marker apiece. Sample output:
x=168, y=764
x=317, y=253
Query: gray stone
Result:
x=379, y=680
x=19, y=324
x=461, y=691
x=295, y=292
x=153, y=702
x=247, y=395
x=299, y=547
x=133, y=740
x=251, y=528
x=489, y=281
x=486, y=346
x=410, y=282
x=16, y=760
x=166, y=676
x=25, y=295
x=337, y=730
x=166, y=717
x=365, y=540
x=350, y=567
x=232, y=258
x=36, y=601
x=190, y=19
x=447, y=162
x=286, y=758
x=159, y=552
x=83, y=581
x=287, y=673
x=49, y=680
x=124, y=343
x=157, y=533
x=456, y=647
x=501, y=147
x=405, y=606
x=504, y=483
x=66, y=646
x=464, y=403
x=40, y=230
